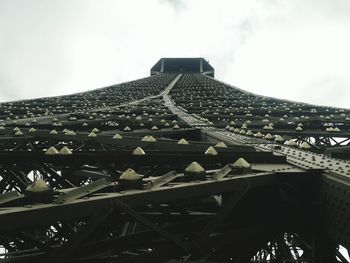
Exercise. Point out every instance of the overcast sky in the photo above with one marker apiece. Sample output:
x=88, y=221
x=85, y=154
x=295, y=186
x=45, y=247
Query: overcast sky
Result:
x=292, y=49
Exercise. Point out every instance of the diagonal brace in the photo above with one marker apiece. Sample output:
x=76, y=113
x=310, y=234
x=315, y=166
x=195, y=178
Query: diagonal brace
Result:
x=222, y=214
x=82, y=191
x=78, y=237
x=170, y=237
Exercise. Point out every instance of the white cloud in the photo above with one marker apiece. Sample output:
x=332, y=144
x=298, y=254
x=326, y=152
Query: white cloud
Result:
x=289, y=49
x=296, y=57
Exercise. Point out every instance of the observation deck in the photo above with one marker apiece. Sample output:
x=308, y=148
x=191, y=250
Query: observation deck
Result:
x=183, y=65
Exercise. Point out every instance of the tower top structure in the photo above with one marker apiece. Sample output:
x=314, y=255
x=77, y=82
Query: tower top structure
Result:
x=183, y=65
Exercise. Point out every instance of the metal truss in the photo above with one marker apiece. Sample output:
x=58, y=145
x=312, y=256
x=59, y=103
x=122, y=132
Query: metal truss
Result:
x=278, y=203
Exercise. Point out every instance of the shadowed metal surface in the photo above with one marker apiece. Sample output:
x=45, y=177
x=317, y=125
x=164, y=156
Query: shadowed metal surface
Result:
x=217, y=174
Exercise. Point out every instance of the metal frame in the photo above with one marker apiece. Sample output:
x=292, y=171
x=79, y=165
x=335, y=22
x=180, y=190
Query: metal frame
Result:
x=266, y=213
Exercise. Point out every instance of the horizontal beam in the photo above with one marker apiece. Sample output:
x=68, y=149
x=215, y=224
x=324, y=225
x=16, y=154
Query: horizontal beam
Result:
x=11, y=218
x=9, y=197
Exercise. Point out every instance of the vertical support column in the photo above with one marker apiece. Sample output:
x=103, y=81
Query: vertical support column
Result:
x=162, y=66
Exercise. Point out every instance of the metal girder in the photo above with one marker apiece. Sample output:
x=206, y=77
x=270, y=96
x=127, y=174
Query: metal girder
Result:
x=227, y=208
x=151, y=156
x=91, y=174
x=59, y=180
x=41, y=214
x=9, y=197
x=285, y=183
x=143, y=220
x=301, y=159
x=17, y=179
x=60, y=254
x=82, y=191
x=222, y=172
x=162, y=180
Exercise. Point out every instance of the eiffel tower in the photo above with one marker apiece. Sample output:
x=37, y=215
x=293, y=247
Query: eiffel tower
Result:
x=174, y=167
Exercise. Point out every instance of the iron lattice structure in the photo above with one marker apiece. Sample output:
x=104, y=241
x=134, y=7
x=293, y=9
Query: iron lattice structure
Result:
x=174, y=167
